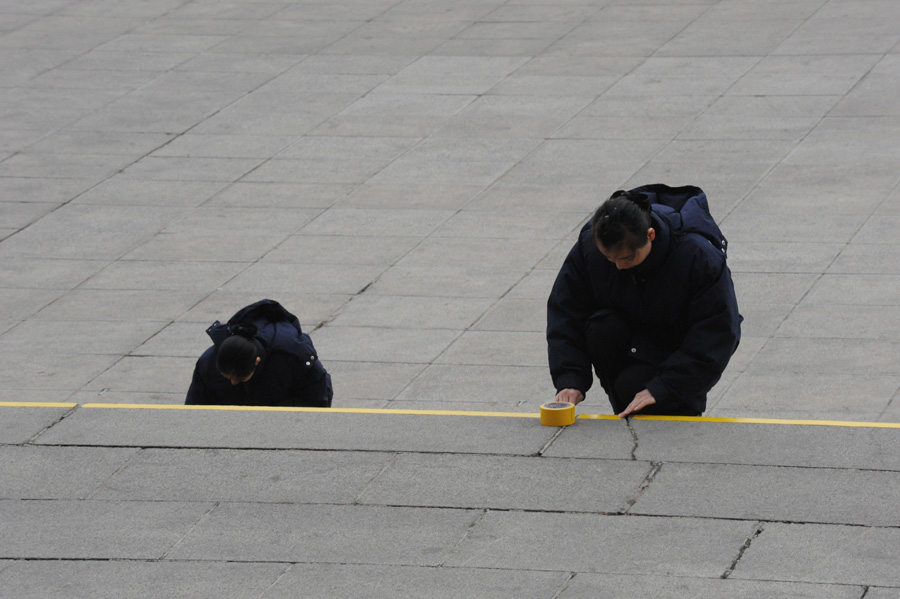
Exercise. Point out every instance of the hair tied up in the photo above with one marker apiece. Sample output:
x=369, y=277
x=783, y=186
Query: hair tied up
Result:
x=622, y=219
x=244, y=330
x=639, y=199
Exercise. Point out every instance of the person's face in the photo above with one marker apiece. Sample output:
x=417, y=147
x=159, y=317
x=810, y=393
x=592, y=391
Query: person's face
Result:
x=625, y=257
x=237, y=380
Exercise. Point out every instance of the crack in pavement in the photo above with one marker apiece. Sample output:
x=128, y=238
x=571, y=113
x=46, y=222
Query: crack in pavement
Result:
x=565, y=585
x=634, y=436
x=654, y=469
x=542, y=450
x=472, y=525
x=65, y=415
x=759, y=528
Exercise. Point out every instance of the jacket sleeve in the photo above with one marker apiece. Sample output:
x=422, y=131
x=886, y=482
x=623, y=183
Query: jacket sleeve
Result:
x=568, y=309
x=710, y=340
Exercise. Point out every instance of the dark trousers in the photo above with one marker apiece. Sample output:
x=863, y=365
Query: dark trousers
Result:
x=622, y=377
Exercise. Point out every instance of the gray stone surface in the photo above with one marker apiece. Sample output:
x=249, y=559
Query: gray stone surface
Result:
x=253, y=475
x=73, y=529
x=449, y=506
x=394, y=582
x=322, y=430
x=493, y=482
x=616, y=586
x=773, y=493
x=114, y=579
x=21, y=424
x=31, y=472
x=407, y=176
x=772, y=445
x=598, y=543
x=326, y=533
x=823, y=553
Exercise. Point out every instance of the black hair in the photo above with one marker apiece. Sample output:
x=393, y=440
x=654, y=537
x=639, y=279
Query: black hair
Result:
x=236, y=355
x=622, y=221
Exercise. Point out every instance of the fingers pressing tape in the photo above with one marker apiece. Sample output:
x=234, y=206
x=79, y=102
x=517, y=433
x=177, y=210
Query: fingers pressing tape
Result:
x=558, y=413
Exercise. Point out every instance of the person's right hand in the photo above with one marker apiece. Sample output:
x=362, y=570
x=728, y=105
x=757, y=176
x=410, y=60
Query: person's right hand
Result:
x=572, y=396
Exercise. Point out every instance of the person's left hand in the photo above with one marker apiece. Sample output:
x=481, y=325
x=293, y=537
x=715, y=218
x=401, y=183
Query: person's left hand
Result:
x=640, y=401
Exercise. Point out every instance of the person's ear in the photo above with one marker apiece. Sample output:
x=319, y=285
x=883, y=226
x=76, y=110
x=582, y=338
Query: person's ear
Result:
x=651, y=234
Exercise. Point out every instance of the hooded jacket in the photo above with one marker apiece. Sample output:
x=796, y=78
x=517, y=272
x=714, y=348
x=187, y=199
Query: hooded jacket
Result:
x=679, y=302
x=289, y=372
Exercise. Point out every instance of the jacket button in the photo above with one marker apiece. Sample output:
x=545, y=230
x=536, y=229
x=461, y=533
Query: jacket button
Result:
x=307, y=363
x=634, y=350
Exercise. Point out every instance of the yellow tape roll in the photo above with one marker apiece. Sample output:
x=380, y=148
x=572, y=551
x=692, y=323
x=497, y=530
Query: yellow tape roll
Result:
x=558, y=413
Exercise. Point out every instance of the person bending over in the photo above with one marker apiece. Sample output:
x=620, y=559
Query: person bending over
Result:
x=648, y=302
x=261, y=357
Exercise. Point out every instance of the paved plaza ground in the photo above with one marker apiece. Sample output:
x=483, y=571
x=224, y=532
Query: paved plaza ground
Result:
x=407, y=176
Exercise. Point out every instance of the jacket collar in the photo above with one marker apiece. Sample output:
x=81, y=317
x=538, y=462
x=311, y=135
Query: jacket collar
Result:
x=659, y=250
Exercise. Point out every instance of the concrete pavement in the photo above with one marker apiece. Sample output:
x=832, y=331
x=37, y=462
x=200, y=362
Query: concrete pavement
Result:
x=407, y=176
x=113, y=500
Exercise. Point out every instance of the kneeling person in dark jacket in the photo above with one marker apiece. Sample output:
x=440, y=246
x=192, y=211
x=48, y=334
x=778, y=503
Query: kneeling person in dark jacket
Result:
x=647, y=300
x=261, y=357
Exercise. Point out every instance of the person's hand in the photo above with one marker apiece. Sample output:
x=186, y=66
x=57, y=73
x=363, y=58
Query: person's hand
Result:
x=572, y=396
x=640, y=401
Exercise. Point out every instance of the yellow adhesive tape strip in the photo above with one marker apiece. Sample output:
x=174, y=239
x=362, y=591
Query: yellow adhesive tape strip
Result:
x=558, y=413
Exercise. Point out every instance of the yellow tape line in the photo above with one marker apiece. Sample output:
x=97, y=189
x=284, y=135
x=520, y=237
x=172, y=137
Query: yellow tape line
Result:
x=755, y=421
x=322, y=410
x=835, y=423
x=37, y=404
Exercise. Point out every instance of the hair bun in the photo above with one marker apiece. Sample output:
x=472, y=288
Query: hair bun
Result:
x=244, y=330
x=641, y=200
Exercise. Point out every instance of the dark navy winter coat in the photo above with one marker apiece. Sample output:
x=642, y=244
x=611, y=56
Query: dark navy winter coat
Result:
x=680, y=303
x=289, y=373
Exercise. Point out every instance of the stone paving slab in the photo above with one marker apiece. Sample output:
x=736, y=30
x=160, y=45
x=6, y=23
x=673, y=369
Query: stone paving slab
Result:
x=608, y=586
x=597, y=543
x=802, y=446
x=243, y=475
x=73, y=529
x=21, y=424
x=108, y=580
x=326, y=430
x=493, y=482
x=823, y=553
x=116, y=579
x=30, y=472
x=773, y=493
x=392, y=582
x=326, y=533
